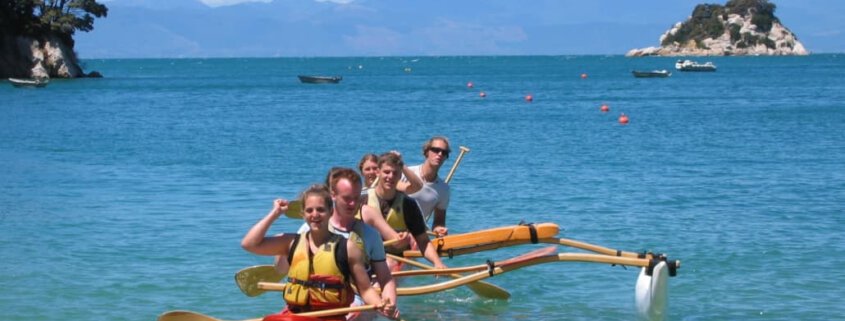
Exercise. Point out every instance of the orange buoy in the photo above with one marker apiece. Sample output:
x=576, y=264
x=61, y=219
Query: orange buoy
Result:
x=583, y=76
x=623, y=119
x=470, y=85
x=482, y=94
x=529, y=98
x=604, y=108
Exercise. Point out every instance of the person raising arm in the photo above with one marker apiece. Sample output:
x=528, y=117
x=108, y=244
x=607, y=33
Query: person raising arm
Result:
x=321, y=266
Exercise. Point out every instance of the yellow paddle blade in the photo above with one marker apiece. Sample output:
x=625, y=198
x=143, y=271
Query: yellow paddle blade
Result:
x=489, y=290
x=481, y=288
x=186, y=316
x=294, y=209
x=248, y=278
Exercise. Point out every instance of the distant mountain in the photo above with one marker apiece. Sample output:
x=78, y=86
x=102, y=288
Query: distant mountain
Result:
x=739, y=28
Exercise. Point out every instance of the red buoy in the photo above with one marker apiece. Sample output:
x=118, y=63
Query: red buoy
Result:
x=623, y=119
x=482, y=94
x=583, y=76
x=470, y=85
x=604, y=108
x=529, y=98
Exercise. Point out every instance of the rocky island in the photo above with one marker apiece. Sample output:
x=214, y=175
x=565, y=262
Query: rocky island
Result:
x=36, y=37
x=739, y=28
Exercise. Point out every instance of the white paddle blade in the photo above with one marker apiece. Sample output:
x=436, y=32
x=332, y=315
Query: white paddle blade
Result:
x=652, y=293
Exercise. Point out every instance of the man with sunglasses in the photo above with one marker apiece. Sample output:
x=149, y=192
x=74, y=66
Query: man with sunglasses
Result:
x=433, y=197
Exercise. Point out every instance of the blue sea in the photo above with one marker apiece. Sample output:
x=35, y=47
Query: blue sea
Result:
x=127, y=196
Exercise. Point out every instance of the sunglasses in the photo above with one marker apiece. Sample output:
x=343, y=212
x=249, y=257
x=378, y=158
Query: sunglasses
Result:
x=438, y=150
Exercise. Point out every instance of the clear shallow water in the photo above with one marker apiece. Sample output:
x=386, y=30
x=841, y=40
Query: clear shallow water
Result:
x=124, y=197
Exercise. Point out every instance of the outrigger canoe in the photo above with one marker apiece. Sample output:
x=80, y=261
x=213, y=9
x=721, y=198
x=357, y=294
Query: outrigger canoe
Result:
x=651, y=293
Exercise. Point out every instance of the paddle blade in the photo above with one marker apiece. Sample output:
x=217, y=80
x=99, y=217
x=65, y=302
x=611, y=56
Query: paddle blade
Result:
x=489, y=290
x=184, y=316
x=652, y=294
x=248, y=278
x=294, y=209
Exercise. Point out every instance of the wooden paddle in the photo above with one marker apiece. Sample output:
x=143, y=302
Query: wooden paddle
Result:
x=455, y=165
x=481, y=288
x=181, y=315
x=255, y=280
x=485, y=289
x=248, y=278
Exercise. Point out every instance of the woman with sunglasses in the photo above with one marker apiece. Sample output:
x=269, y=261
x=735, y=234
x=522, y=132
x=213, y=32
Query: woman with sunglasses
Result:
x=433, y=197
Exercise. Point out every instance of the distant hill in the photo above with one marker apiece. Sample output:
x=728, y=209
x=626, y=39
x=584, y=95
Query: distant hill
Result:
x=739, y=28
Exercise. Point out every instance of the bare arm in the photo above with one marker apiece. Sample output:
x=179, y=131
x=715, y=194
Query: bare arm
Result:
x=373, y=218
x=439, y=224
x=255, y=240
x=385, y=280
x=428, y=251
x=359, y=275
x=414, y=183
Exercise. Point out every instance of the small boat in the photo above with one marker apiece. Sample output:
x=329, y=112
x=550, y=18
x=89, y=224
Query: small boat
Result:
x=34, y=82
x=319, y=79
x=651, y=74
x=689, y=65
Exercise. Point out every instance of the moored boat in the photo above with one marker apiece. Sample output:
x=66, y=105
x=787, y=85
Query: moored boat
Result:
x=319, y=79
x=34, y=82
x=651, y=74
x=689, y=65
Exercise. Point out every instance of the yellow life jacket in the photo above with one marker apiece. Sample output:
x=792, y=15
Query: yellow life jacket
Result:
x=356, y=236
x=396, y=216
x=318, y=281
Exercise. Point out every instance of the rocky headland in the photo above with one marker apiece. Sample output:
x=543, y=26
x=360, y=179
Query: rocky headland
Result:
x=739, y=28
x=36, y=37
x=49, y=57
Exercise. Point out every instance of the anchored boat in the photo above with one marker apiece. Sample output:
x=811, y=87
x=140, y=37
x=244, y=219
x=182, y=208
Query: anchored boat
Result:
x=651, y=74
x=689, y=65
x=319, y=79
x=32, y=82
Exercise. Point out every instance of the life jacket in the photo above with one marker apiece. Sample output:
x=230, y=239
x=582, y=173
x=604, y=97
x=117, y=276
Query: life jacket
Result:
x=396, y=216
x=356, y=235
x=318, y=281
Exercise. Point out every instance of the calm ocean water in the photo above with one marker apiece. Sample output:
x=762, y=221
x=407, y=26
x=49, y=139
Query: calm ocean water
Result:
x=127, y=196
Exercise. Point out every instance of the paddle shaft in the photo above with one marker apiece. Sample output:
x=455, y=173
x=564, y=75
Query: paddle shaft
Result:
x=455, y=165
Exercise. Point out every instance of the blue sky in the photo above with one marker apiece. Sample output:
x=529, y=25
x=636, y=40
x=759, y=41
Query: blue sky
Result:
x=308, y=28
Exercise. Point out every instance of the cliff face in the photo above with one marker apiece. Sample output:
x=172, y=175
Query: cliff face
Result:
x=29, y=58
x=714, y=31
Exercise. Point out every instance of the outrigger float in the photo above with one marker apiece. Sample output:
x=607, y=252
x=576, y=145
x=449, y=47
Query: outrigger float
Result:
x=651, y=291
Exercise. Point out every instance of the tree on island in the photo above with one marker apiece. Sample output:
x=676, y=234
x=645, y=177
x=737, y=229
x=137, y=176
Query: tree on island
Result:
x=706, y=22
x=42, y=21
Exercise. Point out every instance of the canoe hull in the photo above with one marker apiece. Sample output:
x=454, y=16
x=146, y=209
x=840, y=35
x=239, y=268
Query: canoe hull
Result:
x=450, y=243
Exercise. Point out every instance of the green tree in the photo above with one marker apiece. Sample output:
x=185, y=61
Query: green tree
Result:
x=35, y=17
x=67, y=16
